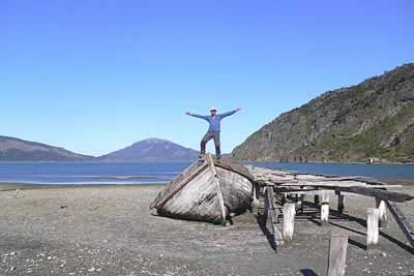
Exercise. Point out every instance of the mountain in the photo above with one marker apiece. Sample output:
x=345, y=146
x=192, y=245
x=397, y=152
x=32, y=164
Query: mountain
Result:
x=152, y=150
x=13, y=149
x=373, y=120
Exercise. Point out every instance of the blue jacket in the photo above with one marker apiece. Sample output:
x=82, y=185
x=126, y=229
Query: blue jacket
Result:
x=214, y=121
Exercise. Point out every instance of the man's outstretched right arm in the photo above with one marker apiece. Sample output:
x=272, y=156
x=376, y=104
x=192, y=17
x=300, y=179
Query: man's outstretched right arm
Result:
x=197, y=116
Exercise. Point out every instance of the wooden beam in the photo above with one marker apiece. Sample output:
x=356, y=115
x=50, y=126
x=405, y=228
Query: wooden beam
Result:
x=366, y=191
x=402, y=221
x=219, y=193
x=343, y=184
x=337, y=254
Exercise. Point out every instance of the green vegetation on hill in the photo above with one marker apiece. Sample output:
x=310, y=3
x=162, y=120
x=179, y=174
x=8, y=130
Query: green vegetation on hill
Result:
x=372, y=120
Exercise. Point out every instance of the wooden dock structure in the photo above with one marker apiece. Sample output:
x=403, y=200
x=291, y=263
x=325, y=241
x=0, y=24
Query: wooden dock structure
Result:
x=289, y=187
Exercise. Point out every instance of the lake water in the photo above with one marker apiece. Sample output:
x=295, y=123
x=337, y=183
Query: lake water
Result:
x=146, y=173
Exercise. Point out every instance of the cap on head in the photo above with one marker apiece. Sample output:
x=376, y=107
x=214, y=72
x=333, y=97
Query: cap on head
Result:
x=213, y=109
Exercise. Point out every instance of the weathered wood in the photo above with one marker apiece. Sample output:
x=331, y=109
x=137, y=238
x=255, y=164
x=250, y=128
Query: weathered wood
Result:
x=372, y=227
x=337, y=254
x=299, y=202
x=255, y=202
x=316, y=199
x=289, y=212
x=272, y=215
x=305, y=184
x=367, y=191
x=341, y=202
x=342, y=184
x=325, y=209
x=321, y=183
x=195, y=201
x=235, y=167
x=402, y=221
x=205, y=193
x=381, y=206
x=217, y=184
x=380, y=194
x=184, y=181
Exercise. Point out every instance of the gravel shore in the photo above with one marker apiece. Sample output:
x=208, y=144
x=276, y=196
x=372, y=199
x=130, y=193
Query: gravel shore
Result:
x=100, y=230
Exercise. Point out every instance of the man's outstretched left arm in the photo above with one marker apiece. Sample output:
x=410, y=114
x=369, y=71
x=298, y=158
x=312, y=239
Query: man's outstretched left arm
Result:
x=223, y=115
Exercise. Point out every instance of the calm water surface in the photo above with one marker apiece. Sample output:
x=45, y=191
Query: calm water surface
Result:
x=89, y=172
x=143, y=173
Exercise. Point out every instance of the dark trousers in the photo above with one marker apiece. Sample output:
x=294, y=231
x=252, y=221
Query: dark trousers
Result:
x=216, y=137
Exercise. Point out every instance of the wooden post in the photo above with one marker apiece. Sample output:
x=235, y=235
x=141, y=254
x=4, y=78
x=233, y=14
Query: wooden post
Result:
x=325, y=209
x=273, y=215
x=255, y=202
x=341, y=199
x=299, y=202
x=372, y=227
x=316, y=198
x=288, y=221
x=381, y=206
x=283, y=196
x=337, y=254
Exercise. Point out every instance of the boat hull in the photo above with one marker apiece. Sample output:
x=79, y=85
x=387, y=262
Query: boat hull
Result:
x=211, y=192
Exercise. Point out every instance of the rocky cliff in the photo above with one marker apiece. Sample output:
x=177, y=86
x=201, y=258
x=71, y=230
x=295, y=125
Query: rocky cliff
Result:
x=373, y=120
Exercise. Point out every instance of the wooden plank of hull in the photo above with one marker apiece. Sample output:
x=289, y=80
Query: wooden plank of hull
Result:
x=218, y=188
x=236, y=190
x=173, y=187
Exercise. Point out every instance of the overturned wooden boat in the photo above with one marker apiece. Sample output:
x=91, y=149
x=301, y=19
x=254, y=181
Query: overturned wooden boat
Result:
x=212, y=191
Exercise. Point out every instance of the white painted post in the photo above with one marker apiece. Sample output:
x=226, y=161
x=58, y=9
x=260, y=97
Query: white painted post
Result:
x=288, y=221
x=382, y=207
x=372, y=227
x=325, y=209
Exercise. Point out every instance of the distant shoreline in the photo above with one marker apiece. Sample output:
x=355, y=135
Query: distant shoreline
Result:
x=328, y=162
x=7, y=186
x=191, y=161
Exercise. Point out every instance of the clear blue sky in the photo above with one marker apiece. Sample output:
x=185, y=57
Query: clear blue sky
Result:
x=94, y=76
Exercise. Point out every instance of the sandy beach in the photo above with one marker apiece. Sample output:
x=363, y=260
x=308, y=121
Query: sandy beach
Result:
x=108, y=230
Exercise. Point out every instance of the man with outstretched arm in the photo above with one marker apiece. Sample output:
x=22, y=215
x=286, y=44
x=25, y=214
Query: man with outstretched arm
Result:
x=213, y=130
